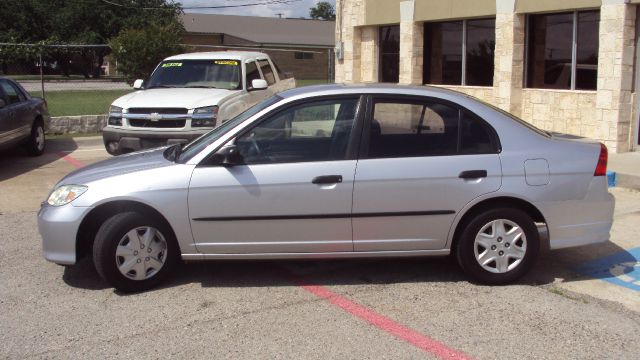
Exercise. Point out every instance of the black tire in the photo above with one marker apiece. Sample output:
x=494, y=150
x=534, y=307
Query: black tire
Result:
x=36, y=143
x=112, y=149
x=113, y=231
x=466, y=247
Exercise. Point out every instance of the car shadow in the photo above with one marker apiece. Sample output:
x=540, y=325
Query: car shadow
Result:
x=560, y=265
x=15, y=161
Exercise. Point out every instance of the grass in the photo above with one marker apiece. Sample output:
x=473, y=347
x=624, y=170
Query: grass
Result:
x=80, y=102
x=95, y=102
x=60, y=77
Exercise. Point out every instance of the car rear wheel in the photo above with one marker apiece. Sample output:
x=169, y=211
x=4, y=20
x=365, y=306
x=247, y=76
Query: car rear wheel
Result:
x=498, y=246
x=36, y=142
x=134, y=252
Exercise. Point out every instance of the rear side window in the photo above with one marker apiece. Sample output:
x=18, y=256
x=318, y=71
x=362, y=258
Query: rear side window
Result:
x=12, y=94
x=426, y=128
x=267, y=71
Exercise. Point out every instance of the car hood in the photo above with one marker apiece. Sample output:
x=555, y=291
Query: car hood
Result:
x=189, y=98
x=118, y=165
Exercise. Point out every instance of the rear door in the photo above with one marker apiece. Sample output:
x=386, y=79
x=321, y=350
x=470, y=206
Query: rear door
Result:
x=422, y=160
x=17, y=123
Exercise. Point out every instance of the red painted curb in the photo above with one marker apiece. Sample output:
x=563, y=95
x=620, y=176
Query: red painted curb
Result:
x=68, y=158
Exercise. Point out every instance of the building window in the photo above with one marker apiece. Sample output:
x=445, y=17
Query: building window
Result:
x=562, y=50
x=303, y=55
x=390, y=54
x=459, y=52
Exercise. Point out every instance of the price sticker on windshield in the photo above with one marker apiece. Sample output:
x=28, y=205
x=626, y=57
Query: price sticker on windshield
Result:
x=226, y=62
x=174, y=64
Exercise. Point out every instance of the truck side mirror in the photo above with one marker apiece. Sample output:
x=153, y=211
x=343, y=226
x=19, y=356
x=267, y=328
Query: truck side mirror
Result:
x=138, y=84
x=258, y=84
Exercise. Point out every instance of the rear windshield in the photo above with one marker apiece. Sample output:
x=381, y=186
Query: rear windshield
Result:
x=517, y=119
x=219, y=74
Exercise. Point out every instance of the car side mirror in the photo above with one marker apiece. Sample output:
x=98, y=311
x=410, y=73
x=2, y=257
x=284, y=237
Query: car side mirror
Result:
x=138, y=84
x=2, y=103
x=228, y=156
x=258, y=84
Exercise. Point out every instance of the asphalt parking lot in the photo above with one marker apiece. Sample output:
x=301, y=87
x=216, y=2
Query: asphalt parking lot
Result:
x=576, y=303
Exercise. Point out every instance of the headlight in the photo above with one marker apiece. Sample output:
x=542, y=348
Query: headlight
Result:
x=204, y=116
x=115, y=110
x=66, y=194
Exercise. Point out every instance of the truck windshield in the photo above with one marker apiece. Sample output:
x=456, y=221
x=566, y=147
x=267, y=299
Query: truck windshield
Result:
x=219, y=74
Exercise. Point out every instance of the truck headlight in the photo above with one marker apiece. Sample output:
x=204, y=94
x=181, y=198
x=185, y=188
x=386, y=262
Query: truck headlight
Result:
x=115, y=116
x=66, y=194
x=204, y=116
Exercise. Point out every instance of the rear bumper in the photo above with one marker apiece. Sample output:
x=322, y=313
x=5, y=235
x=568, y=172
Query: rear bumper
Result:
x=580, y=222
x=133, y=140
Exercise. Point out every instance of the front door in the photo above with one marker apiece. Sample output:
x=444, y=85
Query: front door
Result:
x=423, y=160
x=292, y=195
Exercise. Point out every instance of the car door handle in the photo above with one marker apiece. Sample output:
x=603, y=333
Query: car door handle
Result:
x=327, y=179
x=473, y=174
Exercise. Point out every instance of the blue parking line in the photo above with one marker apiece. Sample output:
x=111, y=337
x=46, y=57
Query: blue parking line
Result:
x=622, y=269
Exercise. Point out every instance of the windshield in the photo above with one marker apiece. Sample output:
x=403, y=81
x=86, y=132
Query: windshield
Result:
x=220, y=74
x=199, y=144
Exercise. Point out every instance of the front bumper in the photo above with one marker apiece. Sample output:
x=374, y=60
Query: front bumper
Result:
x=122, y=140
x=58, y=227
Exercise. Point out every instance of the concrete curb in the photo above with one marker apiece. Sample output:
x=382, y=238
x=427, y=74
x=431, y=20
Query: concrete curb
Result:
x=84, y=124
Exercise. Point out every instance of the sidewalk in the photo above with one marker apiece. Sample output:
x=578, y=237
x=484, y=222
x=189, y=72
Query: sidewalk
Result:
x=627, y=169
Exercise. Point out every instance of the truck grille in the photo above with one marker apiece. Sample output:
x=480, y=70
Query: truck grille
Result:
x=177, y=111
x=157, y=124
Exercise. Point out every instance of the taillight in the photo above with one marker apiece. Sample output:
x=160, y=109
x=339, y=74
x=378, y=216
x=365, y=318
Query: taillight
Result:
x=601, y=168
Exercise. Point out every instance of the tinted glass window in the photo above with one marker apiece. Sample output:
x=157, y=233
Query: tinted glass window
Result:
x=252, y=73
x=12, y=94
x=267, y=72
x=476, y=136
x=316, y=131
x=390, y=54
x=550, y=50
x=587, y=50
x=481, y=44
x=408, y=129
x=221, y=74
x=444, y=44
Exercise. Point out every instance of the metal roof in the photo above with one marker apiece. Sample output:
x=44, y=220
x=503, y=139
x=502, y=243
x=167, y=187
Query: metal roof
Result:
x=263, y=30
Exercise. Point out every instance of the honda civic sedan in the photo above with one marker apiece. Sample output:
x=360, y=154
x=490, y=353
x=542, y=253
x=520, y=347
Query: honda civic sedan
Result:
x=337, y=171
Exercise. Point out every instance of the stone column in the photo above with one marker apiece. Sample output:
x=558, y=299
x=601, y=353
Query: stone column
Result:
x=411, y=45
x=369, y=54
x=615, y=72
x=349, y=15
x=509, y=57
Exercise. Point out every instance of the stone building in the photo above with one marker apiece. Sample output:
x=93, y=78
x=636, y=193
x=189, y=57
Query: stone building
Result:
x=567, y=66
x=301, y=47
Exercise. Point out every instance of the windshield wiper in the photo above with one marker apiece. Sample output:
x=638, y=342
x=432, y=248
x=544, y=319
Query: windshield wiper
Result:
x=200, y=87
x=159, y=86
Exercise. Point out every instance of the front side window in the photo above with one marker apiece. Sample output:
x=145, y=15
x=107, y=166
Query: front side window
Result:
x=220, y=74
x=252, y=73
x=426, y=128
x=459, y=52
x=562, y=50
x=390, y=54
x=13, y=95
x=314, y=131
x=267, y=72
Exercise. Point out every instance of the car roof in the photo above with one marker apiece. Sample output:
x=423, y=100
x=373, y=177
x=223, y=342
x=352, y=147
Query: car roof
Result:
x=371, y=88
x=219, y=55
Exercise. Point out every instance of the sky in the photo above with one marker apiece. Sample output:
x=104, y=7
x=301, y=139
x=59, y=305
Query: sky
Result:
x=295, y=9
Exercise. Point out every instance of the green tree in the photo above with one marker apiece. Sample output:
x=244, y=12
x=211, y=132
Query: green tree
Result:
x=76, y=22
x=323, y=11
x=138, y=51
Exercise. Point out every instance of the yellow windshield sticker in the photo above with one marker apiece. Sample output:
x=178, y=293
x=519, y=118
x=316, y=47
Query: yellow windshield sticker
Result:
x=171, y=65
x=226, y=62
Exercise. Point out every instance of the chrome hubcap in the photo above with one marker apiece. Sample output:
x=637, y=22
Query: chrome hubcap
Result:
x=141, y=253
x=39, y=138
x=500, y=246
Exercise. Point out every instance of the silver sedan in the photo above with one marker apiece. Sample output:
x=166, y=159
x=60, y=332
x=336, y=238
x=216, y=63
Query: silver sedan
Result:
x=337, y=171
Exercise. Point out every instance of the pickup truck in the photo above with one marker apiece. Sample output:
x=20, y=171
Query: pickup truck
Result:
x=187, y=95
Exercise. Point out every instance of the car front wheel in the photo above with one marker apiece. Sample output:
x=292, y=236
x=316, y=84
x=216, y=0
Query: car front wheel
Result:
x=498, y=246
x=134, y=252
